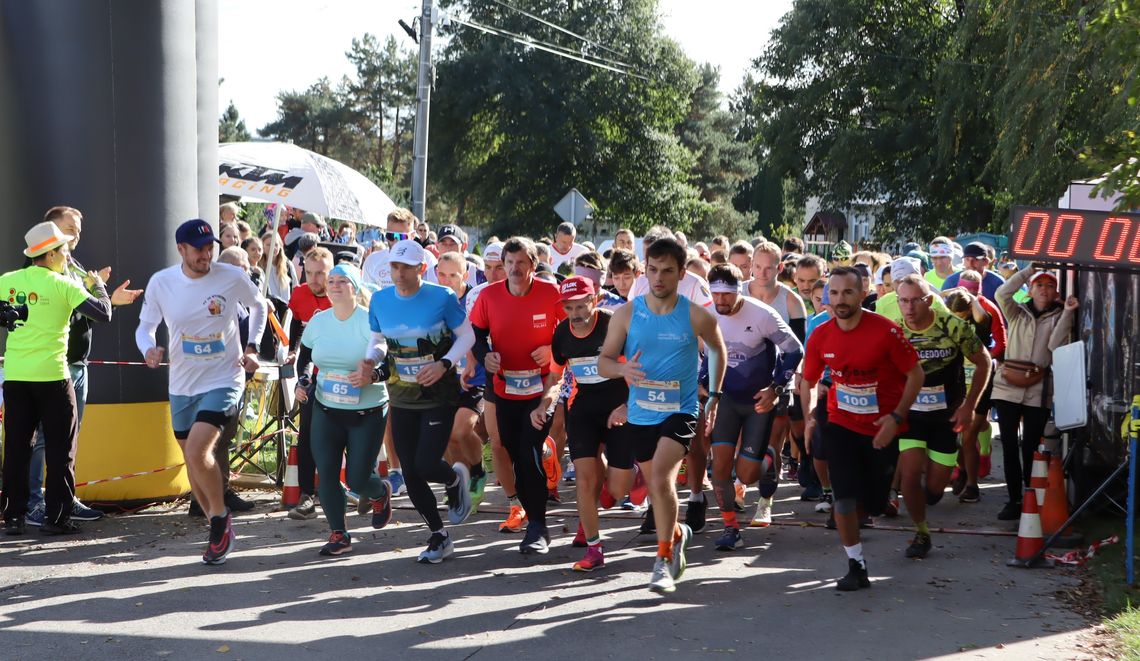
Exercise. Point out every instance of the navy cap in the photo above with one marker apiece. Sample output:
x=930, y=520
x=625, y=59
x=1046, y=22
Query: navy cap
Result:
x=196, y=232
x=452, y=231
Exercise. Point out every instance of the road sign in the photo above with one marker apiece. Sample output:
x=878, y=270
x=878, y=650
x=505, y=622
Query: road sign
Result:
x=573, y=207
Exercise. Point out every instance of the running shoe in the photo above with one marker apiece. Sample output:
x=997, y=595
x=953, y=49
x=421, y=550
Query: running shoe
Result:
x=195, y=510
x=985, y=465
x=856, y=577
x=1011, y=512
x=661, y=580
x=350, y=496
x=825, y=503
x=970, y=494
x=730, y=540
x=221, y=540
x=458, y=497
x=516, y=520
x=739, y=503
x=811, y=494
x=396, y=479
x=648, y=523
x=552, y=496
x=793, y=470
x=678, y=564
x=628, y=505
x=551, y=465
x=234, y=503
x=35, y=516
x=339, y=543
x=439, y=547
x=488, y=458
x=381, y=507
x=763, y=517
x=14, y=525
x=569, y=473
x=957, y=481
x=640, y=490
x=919, y=546
x=536, y=541
x=68, y=527
x=81, y=512
x=306, y=509
x=696, y=512
x=682, y=477
x=605, y=498
x=478, y=488
x=892, y=508
x=579, y=538
x=592, y=560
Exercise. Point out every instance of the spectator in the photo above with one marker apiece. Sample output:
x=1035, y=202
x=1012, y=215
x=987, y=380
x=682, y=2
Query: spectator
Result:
x=228, y=213
x=229, y=236
x=280, y=273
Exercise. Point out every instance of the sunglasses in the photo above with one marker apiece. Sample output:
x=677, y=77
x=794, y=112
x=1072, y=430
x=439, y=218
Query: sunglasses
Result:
x=397, y=236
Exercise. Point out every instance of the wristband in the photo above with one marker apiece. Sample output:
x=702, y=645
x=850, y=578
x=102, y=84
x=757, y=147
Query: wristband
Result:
x=898, y=418
x=715, y=394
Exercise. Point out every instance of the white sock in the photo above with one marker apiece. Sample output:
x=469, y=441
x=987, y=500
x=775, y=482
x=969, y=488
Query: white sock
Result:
x=696, y=496
x=856, y=553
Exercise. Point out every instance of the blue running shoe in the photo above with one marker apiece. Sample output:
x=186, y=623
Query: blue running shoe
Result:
x=439, y=547
x=730, y=540
x=396, y=479
x=35, y=516
x=81, y=512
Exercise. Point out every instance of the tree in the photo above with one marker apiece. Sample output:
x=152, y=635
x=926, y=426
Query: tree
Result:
x=383, y=90
x=318, y=119
x=231, y=127
x=513, y=128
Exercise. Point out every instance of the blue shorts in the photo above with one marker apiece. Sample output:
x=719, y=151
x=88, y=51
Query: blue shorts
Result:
x=214, y=407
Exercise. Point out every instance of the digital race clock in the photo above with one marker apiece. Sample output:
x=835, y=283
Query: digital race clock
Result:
x=1073, y=236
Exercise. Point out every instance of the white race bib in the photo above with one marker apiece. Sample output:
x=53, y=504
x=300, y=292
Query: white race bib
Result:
x=335, y=388
x=585, y=370
x=930, y=398
x=523, y=383
x=860, y=400
x=408, y=368
x=661, y=396
x=203, y=347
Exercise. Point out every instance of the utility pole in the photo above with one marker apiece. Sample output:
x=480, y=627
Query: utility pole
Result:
x=423, y=104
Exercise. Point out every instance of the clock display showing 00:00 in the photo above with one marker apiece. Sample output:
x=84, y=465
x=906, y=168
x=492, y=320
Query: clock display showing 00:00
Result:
x=1073, y=236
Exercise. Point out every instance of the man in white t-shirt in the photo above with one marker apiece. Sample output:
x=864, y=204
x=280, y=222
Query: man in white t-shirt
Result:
x=692, y=286
x=564, y=249
x=377, y=270
x=200, y=302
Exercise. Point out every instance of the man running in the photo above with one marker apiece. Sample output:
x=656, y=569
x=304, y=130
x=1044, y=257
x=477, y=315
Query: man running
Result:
x=597, y=408
x=658, y=335
x=200, y=301
x=875, y=377
x=928, y=451
x=763, y=355
x=427, y=332
x=519, y=315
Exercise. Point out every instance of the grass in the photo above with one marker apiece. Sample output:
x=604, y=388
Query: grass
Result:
x=1106, y=571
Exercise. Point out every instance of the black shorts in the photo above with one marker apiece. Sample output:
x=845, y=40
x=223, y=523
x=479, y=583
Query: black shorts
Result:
x=472, y=399
x=489, y=392
x=736, y=420
x=985, y=402
x=639, y=442
x=586, y=427
x=935, y=430
x=857, y=469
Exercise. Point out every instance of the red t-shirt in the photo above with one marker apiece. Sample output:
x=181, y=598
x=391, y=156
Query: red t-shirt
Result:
x=868, y=369
x=997, y=328
x=518, y=325
x=304, y=303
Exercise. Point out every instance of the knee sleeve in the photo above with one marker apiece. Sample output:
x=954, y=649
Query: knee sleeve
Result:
x=846, y=506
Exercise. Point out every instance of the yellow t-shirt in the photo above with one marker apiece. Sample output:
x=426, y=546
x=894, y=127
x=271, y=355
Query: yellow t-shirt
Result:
x=37, y=351
x=888, y=306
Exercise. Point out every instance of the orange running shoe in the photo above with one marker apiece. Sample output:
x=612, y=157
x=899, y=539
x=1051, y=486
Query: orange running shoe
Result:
x=551, y=465
x=516, y=520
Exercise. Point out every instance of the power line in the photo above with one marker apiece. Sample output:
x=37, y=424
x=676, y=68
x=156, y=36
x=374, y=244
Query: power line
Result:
x=558, y=27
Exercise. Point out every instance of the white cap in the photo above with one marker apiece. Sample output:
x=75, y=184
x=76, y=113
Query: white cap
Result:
x=407, y=252
x=44, y=237
x=878, y=277
x=904, y=266
x=493, y=252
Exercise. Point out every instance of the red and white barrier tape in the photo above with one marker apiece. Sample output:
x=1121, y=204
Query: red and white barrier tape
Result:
x=123, y=477
x=1077, y=557
x=120, y=362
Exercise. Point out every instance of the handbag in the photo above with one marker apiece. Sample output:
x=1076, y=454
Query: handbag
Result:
x=1022, y=373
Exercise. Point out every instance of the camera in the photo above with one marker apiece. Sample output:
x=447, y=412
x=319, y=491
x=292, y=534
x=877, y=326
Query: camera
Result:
x=12, y=316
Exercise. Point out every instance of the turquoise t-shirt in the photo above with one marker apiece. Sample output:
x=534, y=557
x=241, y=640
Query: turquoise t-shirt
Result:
x=418, y=329
x=338, y=347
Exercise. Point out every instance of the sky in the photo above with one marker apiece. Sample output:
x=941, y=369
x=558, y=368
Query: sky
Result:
x=310, y=38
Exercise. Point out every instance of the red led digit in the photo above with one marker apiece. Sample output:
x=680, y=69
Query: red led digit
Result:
x=1059, y=225
x=1121, y=242
x=1134, y=251
x=1019, y=246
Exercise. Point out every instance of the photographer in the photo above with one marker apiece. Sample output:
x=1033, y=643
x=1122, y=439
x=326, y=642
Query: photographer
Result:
x=38, y=388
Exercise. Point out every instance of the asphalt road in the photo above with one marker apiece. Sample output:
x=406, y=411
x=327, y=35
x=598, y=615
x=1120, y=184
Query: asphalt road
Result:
x=131, y=586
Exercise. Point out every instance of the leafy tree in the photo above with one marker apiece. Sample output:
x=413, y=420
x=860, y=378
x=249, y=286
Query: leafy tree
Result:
x=231, y=127
x=384, y=89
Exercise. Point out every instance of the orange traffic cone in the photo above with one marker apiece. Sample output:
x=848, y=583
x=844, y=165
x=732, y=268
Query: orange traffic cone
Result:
x=291, y=491
x=1056, y=510
x=1039, y=477
x=1029, y=541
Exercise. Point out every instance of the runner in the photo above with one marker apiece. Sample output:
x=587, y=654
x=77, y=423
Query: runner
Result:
x=200, y=302
x=525, y=387
x=595, y=411
x=928, y=451
x=875, y=377
x=822, y=303
x=658, y=335
x=427, y=332
x=350, y=407
x=755, y=378
x=564, y=249
x=809, y=269
x=400, y=224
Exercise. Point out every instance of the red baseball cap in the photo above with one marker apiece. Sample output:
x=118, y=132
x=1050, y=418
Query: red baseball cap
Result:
x=1042, y=274
x=576, y=287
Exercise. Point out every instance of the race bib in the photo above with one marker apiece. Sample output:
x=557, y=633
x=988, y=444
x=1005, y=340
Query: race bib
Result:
x=408, y=368
x=585, y=370
x=661, y=396
x=335, y=389
x=930, y=398
x=523, y=383
x=969, y=369
x=858, y=400
x=205, y=347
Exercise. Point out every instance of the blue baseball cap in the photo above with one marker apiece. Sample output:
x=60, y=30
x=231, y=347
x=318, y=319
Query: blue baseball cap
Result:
x=196, y=232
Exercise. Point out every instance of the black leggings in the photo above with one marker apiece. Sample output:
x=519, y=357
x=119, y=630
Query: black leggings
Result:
x=420, y=437
x=1018, y=465
x=27, y=405
x=524, y=443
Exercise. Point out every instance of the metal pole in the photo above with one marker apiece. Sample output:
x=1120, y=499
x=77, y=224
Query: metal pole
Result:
x=423, y=103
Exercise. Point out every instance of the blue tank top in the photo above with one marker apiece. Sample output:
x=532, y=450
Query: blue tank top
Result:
x=669, y=359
